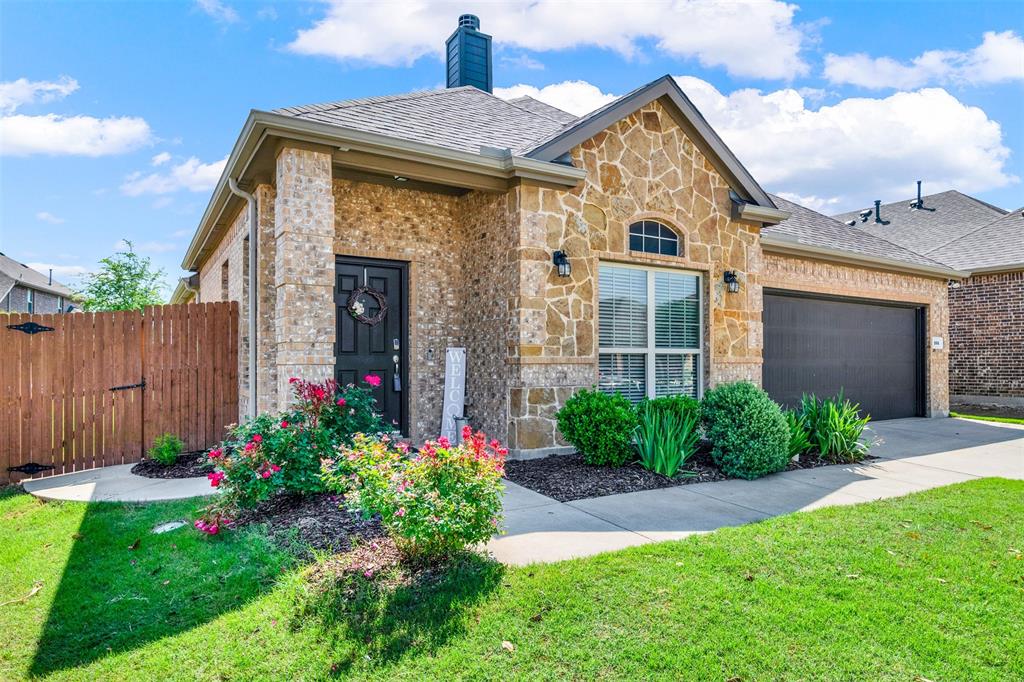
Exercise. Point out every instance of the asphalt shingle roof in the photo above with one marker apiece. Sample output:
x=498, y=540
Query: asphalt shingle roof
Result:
x=816, y=229
x=463, y=118
x=946, y=216
x=999, y=243
x=26, y=276
x=538, y=107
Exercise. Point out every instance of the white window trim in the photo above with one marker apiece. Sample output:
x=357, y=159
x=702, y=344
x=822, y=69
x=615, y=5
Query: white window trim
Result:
x=30, y=301
x=651, y=350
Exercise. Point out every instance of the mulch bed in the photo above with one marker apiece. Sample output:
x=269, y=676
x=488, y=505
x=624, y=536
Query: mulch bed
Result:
x=187, y=465
x=567, y=477
x=318, y=522
x=1010, y=411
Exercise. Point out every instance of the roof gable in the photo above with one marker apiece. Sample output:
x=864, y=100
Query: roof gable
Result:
x=998, y=245
x=23, y=275
x=687, y=116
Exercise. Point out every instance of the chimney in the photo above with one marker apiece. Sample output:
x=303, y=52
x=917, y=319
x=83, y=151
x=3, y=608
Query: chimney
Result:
x=878, y=210
x=469, y=55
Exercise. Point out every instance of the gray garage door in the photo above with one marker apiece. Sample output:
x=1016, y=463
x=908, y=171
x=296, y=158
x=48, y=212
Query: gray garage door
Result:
x=873, y=351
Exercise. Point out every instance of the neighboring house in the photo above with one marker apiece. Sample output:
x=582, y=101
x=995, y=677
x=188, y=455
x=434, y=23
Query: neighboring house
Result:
x=986, y=332
x=628, y=249
x=23, y=290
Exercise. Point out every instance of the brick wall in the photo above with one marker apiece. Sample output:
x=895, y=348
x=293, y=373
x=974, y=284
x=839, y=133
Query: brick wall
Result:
x=986, y=328
x=16, y=301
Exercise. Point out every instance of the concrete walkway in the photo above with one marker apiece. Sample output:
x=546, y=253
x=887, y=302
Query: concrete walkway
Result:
x=916, y=454
x=115, y=484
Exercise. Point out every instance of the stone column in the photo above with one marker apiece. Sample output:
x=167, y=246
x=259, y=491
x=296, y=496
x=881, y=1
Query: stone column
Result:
x=303, y=267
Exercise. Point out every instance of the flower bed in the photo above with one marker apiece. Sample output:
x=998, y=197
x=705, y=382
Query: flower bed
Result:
x=187, y=465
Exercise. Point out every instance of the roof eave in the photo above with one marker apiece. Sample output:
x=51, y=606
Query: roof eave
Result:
x=752, y=213
x=260, y=124
x=995, y=269
x=787, y=245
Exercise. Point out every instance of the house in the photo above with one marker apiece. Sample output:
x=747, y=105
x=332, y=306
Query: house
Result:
x=628, y=249
x=986, y=334
x=24, y=290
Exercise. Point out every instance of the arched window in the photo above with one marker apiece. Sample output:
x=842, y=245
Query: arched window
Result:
x=650, y=236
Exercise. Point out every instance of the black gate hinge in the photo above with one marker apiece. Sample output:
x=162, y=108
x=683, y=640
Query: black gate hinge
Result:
x=127, y=387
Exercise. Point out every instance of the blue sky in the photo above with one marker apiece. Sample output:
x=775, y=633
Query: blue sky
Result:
x=115, y=116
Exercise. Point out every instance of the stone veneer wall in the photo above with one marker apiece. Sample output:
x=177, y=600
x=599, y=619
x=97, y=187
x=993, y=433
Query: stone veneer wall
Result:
x=986, y=337
x=824, y=277
x=642, y=167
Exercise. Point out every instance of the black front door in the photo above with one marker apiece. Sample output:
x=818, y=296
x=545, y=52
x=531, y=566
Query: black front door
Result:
x=366, y=348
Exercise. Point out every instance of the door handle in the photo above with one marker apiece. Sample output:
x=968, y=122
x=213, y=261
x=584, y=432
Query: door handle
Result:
x=396, y=378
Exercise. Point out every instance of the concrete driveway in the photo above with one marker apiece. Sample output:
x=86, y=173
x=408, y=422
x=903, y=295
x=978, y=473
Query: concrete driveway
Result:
x=915, y=454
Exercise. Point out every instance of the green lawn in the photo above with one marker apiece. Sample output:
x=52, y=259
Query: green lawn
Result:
x=1001, y=420
x=927, y=586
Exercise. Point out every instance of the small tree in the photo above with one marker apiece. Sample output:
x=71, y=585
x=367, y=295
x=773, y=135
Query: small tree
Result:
x=125, y=281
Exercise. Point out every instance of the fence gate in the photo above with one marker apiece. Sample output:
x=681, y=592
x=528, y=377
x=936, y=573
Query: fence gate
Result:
x=85, y=390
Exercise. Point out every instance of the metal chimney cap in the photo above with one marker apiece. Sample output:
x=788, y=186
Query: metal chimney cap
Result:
x=469, y=21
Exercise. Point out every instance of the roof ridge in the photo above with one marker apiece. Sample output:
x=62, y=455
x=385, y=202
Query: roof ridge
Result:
x=512, y=102
x=374, y=99
x=976, y=200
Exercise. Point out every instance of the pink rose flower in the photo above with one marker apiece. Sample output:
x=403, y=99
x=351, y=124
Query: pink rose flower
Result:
x=275, y=468
x=215, y=453
x=400, y=512
x=215, y=478
x=372, y=379
x=467, y=432
x=444, y=442
x=284, y=423
x=257, y=438
x=341, y=402
x=266, y=474
x=293, y=380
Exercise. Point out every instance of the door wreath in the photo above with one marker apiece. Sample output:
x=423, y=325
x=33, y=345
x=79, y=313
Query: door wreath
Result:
x=357, y=309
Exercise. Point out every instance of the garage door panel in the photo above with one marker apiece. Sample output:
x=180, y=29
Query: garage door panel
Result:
x=870, y=351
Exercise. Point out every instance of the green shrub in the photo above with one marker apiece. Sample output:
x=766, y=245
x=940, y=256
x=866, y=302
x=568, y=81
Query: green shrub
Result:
x=666, y=438
x=166, y=448
x=748, y=434
x=599, y=426
x=433, y=504
x=835, y=427
x=799, y=435
x=683, y=405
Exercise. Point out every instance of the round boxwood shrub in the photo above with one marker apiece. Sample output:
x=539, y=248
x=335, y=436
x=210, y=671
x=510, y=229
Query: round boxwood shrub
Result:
x=748, y=432
x=599, y=426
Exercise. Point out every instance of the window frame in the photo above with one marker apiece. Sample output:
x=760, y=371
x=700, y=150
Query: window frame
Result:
x=651, y=350
x=30, y=301
x=680, y=246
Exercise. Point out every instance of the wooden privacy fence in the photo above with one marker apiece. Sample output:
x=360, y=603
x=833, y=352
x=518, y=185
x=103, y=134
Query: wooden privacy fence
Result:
x=86, y=390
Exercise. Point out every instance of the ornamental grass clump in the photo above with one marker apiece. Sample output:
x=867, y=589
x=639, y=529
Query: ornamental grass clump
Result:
x=748, y=433
x=435, y=502
x=665, y=439
x=835, y=427
x=166, y=448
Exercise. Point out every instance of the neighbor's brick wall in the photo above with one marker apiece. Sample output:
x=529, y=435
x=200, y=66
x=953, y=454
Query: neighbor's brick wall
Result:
x=16, y=301
x=986, y=328
x=642, y=167
x=825, y=277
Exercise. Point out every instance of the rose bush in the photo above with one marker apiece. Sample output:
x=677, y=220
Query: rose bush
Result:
x=434, y=502
x=282, y=452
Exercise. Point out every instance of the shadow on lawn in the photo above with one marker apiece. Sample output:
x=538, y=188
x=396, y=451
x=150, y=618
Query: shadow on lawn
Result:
x=114, y=597
x=386, y=623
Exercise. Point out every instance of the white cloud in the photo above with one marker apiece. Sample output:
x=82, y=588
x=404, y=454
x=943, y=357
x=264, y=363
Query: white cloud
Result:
x=576, y=97
x=192, y=175
x=522, y=61
x=47, y=217
x=755, y=38
x=75, y=135
x=60, y=272
x=267, y=13
x=14, y=94
x=999, y=58
x=160, y=159
x=22, y=135
x=833, y=157
x=218, y=11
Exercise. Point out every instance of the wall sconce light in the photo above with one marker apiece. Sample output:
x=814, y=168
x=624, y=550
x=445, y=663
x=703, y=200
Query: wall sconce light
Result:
x=561, y=261
x=732, y=284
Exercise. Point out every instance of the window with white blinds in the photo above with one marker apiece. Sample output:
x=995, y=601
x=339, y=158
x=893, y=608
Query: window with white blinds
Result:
x=650, y=335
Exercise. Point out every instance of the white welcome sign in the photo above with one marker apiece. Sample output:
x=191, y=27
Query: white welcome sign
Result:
x=454, y=391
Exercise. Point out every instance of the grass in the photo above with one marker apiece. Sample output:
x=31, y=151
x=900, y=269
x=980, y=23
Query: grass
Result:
x=1002, y=420
x=926, y=586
